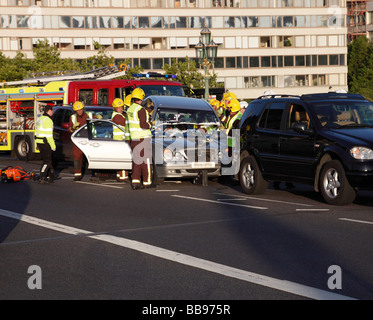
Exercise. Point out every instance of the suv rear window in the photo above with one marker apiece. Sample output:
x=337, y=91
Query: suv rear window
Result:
x=272, y=115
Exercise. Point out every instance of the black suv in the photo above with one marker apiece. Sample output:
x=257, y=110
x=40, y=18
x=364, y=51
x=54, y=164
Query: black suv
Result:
x=325, y=140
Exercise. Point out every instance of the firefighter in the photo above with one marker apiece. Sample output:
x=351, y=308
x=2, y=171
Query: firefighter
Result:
x=232, y=123
x=119, y=118
x=127, y=104
x=140, y=134
x=45, y=143
x=78, y=119
x=215, y=104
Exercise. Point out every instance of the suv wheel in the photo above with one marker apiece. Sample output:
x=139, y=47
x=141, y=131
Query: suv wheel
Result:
x=334, y=185
x=251, y=179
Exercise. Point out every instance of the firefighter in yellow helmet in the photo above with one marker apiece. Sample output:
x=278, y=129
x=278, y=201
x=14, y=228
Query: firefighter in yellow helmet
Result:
x=77, y=120
x=233, y=122
x=119, y=118
x=139, y=129
x=228, y=96
x=214, y=103
x=127, y=104
x=223, y=117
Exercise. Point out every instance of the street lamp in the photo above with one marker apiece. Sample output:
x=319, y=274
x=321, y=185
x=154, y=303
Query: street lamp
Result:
x=206, y=52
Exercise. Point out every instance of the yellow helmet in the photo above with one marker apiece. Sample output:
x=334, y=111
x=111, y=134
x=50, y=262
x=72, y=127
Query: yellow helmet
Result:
x=78, y=105
x=214, y=103
x=229, y=96
x=118, y=102
x=127, y=100
x=138, y=93
x=234, y=105
x=222, y=104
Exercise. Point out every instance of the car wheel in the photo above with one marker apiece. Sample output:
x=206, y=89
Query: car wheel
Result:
x=251, y=179
x=22, y=148
x=334, y=186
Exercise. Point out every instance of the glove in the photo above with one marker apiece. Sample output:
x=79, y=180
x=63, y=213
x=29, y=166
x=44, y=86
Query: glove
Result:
x=54, y=149
x=76, y=126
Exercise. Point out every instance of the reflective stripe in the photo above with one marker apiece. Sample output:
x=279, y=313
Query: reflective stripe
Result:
x=44, y=130
x=136, y=132
x=117, y=133
x=231, y=140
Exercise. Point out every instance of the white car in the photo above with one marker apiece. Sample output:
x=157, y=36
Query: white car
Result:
x=187, y=140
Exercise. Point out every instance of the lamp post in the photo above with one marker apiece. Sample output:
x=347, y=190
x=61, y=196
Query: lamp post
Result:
x=206, y=52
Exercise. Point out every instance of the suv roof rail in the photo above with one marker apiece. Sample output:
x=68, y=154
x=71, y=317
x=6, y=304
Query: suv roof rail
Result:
x=271, y=96
x=332, y=95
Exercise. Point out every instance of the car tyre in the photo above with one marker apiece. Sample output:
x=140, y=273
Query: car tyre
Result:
x=22, y=148
x=251, y=178
x=334, y=186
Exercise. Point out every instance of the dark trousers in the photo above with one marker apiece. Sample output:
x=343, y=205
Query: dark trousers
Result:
x=78, y=161
x=141, y=161
x=46, y=156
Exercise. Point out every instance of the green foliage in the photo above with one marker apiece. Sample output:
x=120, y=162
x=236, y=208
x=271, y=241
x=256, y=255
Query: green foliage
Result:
x=46, y=57
x=360, y=67
x=189, y=74
x=101, y=59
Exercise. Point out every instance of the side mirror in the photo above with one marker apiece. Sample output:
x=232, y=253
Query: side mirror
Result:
x=302, y=128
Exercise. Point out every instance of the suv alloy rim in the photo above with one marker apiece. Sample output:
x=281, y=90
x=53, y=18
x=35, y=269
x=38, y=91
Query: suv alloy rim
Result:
x=248, y=175
x=332, y=183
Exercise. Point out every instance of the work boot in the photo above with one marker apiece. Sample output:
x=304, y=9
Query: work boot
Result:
x=137, y=186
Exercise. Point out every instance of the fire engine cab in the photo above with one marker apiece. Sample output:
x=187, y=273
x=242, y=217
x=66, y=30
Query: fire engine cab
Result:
x=21, y=106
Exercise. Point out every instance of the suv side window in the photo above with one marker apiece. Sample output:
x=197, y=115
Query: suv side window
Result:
x=272, y=115
x=297, y=113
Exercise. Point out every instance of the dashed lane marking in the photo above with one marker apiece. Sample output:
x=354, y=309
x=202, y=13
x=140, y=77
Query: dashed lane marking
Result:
x=219, y=202
x=100, y=185
x=282, y=285
x=269, y=200
x=358, y=221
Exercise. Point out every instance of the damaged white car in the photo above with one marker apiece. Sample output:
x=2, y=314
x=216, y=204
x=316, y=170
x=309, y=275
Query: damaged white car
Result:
x=187, y=140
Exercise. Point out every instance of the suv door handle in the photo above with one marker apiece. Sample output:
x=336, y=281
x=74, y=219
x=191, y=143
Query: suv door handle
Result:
x=83, y=142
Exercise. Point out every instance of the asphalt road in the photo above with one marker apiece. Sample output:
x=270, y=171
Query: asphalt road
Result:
x=179, y=242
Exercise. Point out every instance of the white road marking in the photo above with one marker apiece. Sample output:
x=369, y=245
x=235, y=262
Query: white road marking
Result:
x=100, y=185
x=358, y=221
x=167, y=190
x=270, y=200
x=308, y=210
x=215, y=201
x=282, y=285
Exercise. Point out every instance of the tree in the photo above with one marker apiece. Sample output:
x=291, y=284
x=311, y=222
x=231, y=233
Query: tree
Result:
x=46, y=57
x=188, y=74
x=101, y=59
x=360, y=67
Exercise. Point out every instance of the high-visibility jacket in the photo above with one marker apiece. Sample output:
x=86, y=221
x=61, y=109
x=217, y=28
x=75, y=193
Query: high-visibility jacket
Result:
x=44, y=131
x=135, y=130
x=229, y=125
x=117, y=133
x=74, y=118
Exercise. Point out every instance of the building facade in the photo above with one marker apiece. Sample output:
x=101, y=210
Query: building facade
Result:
x=287, y=46
x=370, y=20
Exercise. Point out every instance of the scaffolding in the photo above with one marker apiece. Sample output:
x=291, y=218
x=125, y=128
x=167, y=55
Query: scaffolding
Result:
x=356, y=19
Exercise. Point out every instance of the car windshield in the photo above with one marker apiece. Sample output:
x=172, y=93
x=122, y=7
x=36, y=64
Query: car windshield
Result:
x=337, y=114
x=174, y=116
x=171, y=120
x=101, y=113
x=162, y=90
